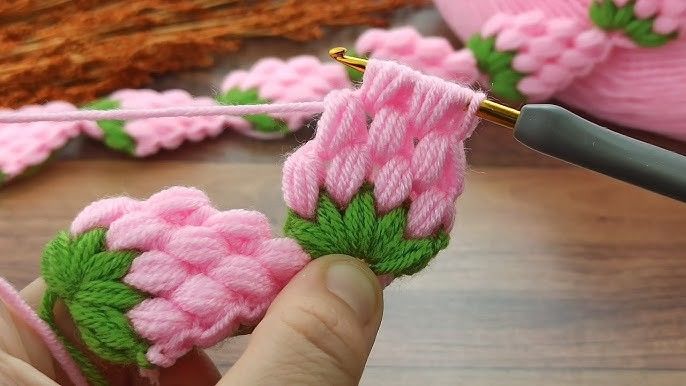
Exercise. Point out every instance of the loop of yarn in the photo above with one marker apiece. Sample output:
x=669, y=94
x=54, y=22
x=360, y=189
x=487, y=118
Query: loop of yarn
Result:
x=146, y=281
x=300, y=79
x=383, y=191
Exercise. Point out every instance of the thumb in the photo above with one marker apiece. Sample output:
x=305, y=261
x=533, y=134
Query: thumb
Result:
x=318, y=331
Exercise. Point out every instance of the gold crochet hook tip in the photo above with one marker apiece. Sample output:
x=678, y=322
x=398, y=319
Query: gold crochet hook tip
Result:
x=488, y=110
x=339, y=55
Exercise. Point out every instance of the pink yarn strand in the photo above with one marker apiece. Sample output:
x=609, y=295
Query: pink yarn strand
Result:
x=14, y=301
x=186, y=111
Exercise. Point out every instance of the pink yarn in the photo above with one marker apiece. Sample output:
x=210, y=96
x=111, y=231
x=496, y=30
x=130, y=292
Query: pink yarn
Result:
x=29, y=144
x=552, y=51
x=431, y=55
x=633, y=86
x=166, y=112
x=412, y=150
x=16, y=303
x=299, y=79
x=208, y=272
x=151, y=135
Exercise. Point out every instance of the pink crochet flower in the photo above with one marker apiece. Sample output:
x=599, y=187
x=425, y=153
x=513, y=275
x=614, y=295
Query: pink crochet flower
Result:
x=145, y=137
x=299, y=79
x=25, y=145
x=204, y=272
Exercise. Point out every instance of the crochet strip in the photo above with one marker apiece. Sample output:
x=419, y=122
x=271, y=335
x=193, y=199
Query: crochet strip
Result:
x=393, y=181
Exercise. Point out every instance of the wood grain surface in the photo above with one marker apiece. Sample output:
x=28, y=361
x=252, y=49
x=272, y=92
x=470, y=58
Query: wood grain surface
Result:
x=555, y=275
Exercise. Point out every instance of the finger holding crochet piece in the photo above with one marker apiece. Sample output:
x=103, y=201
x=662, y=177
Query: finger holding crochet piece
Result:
x=146, y=281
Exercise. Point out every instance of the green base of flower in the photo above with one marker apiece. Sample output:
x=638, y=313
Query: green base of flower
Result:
x=358, y=231
x=82, y=273
x=608, y=16
x=498, y=66
x=113, y=131
x=260, y=122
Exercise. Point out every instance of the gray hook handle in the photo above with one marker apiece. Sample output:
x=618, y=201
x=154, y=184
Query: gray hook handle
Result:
x=557, y=132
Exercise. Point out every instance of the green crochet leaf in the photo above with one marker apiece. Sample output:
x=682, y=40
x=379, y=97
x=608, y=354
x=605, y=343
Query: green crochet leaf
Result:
x=498, y=66
x=113, y=130
x=110, y=293
x=359, y=231
x=88, y=278
x=608, y=16
x=261, y=122
x=3, y=178
x=108, y=333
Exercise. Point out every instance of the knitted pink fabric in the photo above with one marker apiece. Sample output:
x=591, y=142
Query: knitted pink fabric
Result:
x=207, y=272
x=23, y=145
x=299, y=79
x=632, y=86
x=412, y=150
x=151, y=135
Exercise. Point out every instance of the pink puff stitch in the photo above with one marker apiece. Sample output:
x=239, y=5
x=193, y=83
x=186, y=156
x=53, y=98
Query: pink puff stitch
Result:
x=431, y=55
x=670, y=15
x=207, y=272
x=552, y=52
x=153, y=134
x=412, y=150
x=23, y=145
x=299, y=79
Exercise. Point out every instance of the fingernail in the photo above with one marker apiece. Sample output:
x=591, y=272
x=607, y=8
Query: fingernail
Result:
x=350, y=283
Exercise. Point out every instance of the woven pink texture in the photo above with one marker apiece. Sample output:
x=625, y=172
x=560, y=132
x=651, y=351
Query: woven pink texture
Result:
x=23, y=145
x=431, y=55
x=299, y=79
x=633, y=86
x=207, y=272
x=412, y=150
x=153, y=134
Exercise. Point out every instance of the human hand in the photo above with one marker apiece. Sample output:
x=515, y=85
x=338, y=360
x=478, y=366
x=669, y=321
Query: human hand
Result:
x=319, y=330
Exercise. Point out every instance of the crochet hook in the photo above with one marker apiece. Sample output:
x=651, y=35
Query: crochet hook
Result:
x=559, y=133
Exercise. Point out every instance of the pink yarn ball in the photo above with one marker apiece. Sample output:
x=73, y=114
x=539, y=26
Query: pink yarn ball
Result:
x=636, y=87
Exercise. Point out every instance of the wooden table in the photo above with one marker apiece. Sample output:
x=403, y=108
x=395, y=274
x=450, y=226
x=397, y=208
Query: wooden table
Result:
x=555, y=275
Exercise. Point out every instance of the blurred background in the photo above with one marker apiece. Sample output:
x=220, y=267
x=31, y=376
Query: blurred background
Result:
x=555, y=275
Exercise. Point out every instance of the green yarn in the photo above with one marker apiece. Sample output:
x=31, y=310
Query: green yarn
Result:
x=498, y=66
x=359, y=231
x=113, y=130
x=82, y=273
x=608, y=16
x=3, y=178
x=354, y=75
x=261, y=122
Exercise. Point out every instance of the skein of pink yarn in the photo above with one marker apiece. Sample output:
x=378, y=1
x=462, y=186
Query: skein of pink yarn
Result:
x=634, y=86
